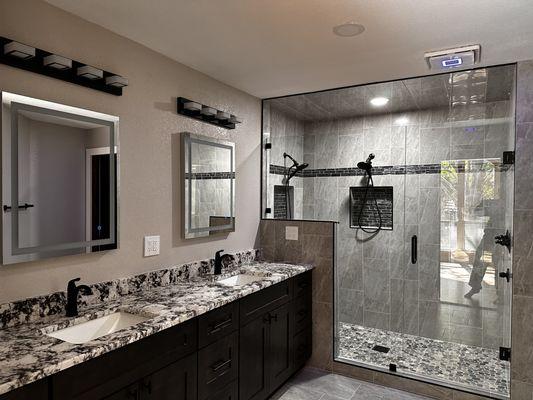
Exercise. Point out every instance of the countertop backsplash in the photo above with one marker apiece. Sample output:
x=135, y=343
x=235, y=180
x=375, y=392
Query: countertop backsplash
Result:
x=31, y=309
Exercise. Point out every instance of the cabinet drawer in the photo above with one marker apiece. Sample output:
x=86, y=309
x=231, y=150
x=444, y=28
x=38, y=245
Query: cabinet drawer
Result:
x=302, y=312
x=102, y=376
x=230, y=392
x=302, y=283
x=303, y=345
x=218, y=323
x=258, y=303
x=218, y=365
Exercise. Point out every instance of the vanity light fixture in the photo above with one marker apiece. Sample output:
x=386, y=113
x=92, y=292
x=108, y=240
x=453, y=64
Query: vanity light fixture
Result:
x=234, y=120
x=208, y=111
x=116, y=81
x=42, y=62
x=207, y=114
x=57, y=62
x=19, y=50
x=192, y=106
x=91, y=73
x=222, y=115
x=379, y=101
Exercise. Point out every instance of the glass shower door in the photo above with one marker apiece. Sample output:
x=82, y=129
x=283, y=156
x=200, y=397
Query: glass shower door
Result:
x=464, y=217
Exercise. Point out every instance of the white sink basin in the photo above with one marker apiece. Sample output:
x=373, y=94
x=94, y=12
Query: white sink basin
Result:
x=239, y=280
x=90, y=330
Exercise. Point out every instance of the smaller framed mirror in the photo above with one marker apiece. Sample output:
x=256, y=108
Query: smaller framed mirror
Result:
x=208, y=177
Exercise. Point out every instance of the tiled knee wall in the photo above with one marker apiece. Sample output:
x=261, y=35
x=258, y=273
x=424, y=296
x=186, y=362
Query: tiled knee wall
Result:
x=315, y=245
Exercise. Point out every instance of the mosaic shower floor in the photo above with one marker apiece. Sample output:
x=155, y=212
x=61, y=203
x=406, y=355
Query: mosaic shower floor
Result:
x=472, y=368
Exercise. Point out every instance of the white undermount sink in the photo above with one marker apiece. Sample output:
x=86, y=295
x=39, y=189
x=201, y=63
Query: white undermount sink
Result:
x=90, y=330
x=239, y=280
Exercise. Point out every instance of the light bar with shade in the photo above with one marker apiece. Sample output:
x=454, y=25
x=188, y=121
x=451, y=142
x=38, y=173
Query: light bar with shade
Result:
x=19, y=50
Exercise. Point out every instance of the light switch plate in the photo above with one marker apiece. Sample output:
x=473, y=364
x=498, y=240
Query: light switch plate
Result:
x=151, y=245
x=291, y=233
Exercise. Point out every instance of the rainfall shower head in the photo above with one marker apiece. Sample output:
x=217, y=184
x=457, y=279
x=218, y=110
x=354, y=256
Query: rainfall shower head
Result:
x=366, y=165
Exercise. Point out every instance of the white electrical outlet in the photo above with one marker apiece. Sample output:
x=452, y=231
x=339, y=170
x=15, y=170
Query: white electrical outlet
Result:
x=151, y=245
x=291, y=233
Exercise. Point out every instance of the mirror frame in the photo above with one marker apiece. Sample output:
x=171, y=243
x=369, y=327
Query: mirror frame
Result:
x=188, y=231
x=12, y=253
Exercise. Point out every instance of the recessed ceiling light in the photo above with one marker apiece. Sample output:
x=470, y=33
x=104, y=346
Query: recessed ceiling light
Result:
x=379, y=101
x=348, y=29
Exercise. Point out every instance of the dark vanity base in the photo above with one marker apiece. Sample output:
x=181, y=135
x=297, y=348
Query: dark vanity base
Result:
x=244, y=350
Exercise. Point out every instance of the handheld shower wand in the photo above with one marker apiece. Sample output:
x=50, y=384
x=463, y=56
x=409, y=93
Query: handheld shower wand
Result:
x=289, y=174
x=367, y=167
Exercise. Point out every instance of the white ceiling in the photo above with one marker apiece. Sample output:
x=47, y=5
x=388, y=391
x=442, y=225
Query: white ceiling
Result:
x=277, y=47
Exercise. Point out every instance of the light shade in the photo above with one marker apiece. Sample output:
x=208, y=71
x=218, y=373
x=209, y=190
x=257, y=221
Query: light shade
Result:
x=208, y=111
x=379, y=101
x=57, y=62
x=90, y=72
x=116, y=81
x=19, y=50
x=192, y=106
x=222, y=115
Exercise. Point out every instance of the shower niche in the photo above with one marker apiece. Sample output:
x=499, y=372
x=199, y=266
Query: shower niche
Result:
x=371, y=207
x=283, y=201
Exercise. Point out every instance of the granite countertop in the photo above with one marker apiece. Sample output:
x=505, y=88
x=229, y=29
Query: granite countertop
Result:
x=27, y=354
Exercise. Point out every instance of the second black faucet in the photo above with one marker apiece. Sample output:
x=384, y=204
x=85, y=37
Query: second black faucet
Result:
x=218, y=261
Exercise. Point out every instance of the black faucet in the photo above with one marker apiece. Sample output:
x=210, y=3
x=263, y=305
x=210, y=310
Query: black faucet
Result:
x=72, y=296
x=218, y=261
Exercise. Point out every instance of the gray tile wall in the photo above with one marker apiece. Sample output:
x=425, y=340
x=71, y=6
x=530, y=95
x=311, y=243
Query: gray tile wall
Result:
x=378, y=286
x=522, y=311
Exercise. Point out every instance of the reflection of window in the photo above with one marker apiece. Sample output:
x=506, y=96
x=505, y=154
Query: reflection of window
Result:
x=470, y=192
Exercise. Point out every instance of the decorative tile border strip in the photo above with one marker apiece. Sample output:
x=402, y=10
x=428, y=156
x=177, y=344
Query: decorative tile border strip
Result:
x=210, y=175
x=32, y=309
x=460, y=166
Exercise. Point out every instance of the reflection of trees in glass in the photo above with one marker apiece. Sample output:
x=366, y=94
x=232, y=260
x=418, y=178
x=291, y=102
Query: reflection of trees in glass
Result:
x=449, y=180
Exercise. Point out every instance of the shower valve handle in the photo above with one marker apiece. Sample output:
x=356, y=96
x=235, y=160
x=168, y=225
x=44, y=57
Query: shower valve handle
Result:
x=507, y=275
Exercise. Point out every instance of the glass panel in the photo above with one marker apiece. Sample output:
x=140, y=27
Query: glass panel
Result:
x=440, y=184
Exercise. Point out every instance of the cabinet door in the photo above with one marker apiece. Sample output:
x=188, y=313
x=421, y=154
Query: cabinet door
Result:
x=131, y=392
x=253, y=349
x=176, y=381
x=280, y=349
x=33, y=391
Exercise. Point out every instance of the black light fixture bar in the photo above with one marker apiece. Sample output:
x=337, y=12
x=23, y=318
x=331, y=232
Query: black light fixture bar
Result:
x=188, y=108
x=36, y=64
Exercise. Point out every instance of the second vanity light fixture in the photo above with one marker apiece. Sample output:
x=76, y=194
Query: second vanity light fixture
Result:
x=20, y=55
x=207, y=114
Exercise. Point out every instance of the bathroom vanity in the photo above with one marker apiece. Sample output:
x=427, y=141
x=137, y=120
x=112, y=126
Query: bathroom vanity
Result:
x=254, y=337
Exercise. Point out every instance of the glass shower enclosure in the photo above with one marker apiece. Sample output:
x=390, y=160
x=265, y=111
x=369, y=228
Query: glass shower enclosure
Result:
x=422, y=246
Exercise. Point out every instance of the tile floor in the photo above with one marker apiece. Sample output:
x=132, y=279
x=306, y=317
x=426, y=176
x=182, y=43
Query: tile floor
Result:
x=475, y=368
x=313, y=384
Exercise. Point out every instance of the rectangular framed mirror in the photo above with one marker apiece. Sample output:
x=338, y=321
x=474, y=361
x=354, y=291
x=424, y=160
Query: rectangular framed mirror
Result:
x=208, y=171
x=59, y=180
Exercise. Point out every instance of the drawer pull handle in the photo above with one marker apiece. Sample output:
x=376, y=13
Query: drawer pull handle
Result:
x=302, y=313
x=147, y=385
x=220, y=325
x=133, y=394
x=221, y=364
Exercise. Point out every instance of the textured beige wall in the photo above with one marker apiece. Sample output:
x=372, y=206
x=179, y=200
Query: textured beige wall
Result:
x=149, y=145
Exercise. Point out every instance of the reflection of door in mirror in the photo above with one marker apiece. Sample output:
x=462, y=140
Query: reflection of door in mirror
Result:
x=97, y=197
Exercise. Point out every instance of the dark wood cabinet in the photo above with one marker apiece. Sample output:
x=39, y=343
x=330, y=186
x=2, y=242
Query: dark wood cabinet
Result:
x=34, y=391
x=242, y=351
x=253, y=376
x=268, y=356
x=176, y=381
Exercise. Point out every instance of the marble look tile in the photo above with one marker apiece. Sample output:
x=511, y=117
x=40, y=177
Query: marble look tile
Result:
x=524, y=93
x=522, y=331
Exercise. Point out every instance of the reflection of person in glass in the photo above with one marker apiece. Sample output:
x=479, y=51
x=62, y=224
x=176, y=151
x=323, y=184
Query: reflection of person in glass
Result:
x=491, y=209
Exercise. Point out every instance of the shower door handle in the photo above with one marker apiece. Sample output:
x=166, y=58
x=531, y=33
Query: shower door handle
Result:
x=414, y=249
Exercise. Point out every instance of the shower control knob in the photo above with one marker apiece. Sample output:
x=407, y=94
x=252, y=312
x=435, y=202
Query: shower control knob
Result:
x=504, y=240
x=507, y=275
